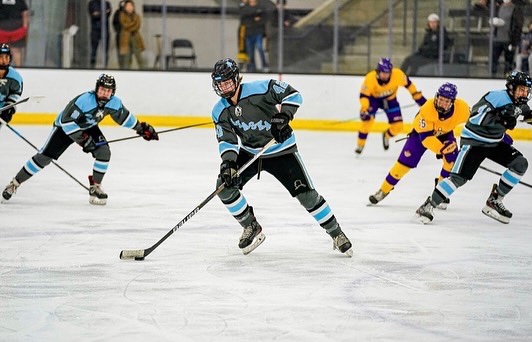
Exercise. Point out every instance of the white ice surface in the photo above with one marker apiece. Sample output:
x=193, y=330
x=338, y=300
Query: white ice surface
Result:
x=464, y=277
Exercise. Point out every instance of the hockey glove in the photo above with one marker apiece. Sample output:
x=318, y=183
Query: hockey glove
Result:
x=228, y=173
x=147, y=132
x=365, y=115
x=88, y=144
x=527, y=114
x=449, y=151
x=7, y=114
x=507, y=116
x=281, y=129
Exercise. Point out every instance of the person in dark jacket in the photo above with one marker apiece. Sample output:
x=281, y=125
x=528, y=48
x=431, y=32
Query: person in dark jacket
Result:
x=428, y=51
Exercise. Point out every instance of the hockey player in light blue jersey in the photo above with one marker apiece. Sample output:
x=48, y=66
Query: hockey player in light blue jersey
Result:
x=246, y=118
x=78, y=123
x=484, y=136
x=10, y=84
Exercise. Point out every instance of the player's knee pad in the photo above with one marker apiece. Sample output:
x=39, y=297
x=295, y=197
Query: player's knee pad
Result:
x=102, y=153
x=396, y=128
x=42, y=160
x=457, y=180
x=309, y=199
x=519, y=165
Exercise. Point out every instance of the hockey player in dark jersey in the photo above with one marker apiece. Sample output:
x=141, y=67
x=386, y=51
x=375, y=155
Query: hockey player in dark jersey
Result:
x=484, y=136
x=10, y=84
x=78, y=123
x=247, y=112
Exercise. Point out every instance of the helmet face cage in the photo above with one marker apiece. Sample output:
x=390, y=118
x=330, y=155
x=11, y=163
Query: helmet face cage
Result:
x=517, y=78
x=6, y=50
x=449, y=91
x=225, y=69
x=384, y=65
x=106, y=81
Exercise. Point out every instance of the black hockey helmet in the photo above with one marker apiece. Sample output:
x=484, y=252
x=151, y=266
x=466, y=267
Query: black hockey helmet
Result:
x=106, y=81
x=5, y=50
x=225, y=69
x=517, y=78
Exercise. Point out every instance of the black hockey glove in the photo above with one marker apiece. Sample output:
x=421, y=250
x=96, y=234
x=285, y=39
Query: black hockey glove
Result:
x=507, y=116
x=228, y=173
x=281, y=129
x=147, y=132
x=88, y=143
x=527, y=114
x=7, y=114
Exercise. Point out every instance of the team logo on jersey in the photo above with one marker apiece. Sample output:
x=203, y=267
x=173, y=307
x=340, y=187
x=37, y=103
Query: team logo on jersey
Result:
x=299, y=184
x=238, y=111
x=99, y=115
x=3, y=82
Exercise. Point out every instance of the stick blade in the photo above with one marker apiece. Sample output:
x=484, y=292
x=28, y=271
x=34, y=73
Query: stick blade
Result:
x=137, y=254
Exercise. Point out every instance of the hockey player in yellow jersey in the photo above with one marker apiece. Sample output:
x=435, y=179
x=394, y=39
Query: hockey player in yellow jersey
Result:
x=379, y=91
x=433, y=130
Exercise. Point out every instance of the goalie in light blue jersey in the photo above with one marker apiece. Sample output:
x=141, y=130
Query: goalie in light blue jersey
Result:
x=246, y=119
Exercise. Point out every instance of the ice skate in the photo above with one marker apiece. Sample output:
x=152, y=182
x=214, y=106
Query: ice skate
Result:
x=96, y=194
x=342, y=243
x=494, y=207
x=358, y=150
x=425, y=213
x=252, y=237
x=385, y=141
x=379, y=196
x=10, y=189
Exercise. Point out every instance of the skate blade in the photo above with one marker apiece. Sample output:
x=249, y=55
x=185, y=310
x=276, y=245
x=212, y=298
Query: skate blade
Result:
x=491, y=213
x=259, y=239
x=97, y=201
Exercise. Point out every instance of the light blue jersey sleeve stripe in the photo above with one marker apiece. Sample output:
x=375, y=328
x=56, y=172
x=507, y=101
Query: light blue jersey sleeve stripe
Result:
x=226, y=147
x=294, y=99
x=70, y=127
x=130, y=122
x=466, y=133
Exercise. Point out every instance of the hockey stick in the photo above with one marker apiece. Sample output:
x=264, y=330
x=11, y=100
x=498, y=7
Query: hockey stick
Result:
x=35, y=147
x=11, y=105
x=140, y=254
x=159, y=132
x=499, y=174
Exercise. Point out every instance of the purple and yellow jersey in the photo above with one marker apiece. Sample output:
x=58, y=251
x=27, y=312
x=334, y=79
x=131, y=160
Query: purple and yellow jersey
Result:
x=429, y=126
x=371, y=89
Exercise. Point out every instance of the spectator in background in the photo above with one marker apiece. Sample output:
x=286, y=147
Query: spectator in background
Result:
x=428, y=51
x=243, y=58
x=523, y=60
x=254, y=18
x=14, y=25
x=97, y=27
x=130, y=43
x=508, y=27
x=116, y=26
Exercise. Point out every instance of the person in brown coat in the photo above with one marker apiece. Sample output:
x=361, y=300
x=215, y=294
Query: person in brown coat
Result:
x=130, y=40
